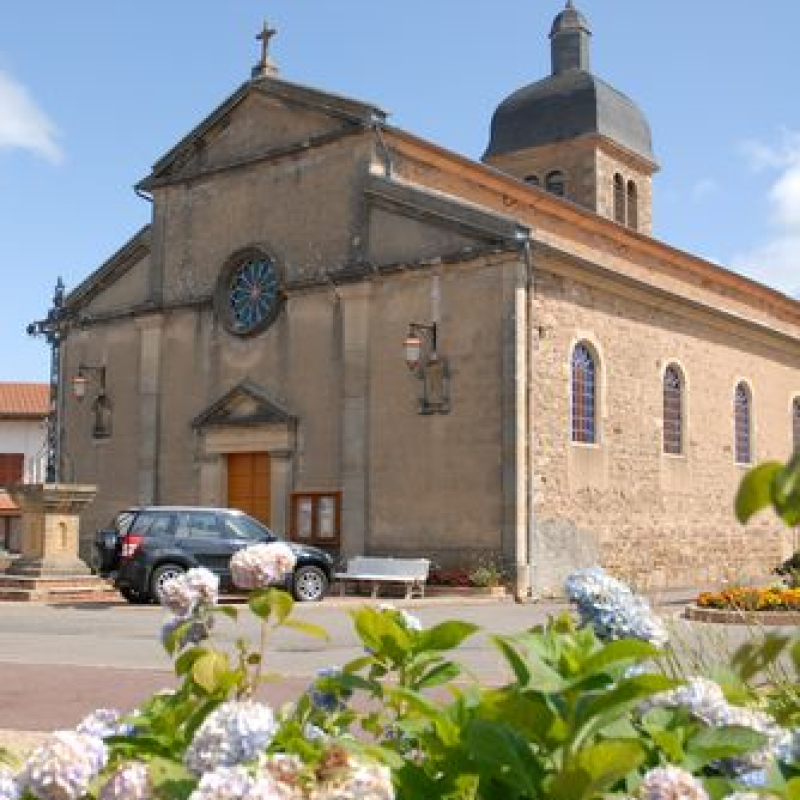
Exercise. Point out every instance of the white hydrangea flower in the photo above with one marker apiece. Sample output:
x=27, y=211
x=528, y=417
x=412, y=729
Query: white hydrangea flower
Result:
x=181, y=594
x=612, y=609
x=262, y=565
x=223, y=783
x=359, y=781
x=233, y=733
x=63, y=765
x=671, y=783
x=9, y=788
x=104, y=722
x=130, y=781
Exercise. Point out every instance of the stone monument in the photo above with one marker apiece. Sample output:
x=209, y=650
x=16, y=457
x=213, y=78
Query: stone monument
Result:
x=49, y=567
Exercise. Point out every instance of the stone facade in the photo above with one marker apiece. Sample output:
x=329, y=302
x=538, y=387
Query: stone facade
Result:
x=370, y=229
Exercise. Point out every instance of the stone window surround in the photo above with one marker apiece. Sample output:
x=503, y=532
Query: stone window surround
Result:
x=675, y=365
x=590, y=342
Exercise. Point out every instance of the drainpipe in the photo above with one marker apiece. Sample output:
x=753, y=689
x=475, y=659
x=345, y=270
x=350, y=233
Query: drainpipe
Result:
x=524, y=520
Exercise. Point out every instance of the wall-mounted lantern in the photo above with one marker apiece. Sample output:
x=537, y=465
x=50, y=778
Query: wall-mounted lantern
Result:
x=426, y=363
x=101, y=405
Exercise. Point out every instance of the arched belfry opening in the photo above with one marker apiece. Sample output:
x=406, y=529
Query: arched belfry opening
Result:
x=574, y=123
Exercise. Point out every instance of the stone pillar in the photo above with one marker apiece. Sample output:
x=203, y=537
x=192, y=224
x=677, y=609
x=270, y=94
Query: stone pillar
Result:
x=355, y=301
x=279, y=470
x=50, y=517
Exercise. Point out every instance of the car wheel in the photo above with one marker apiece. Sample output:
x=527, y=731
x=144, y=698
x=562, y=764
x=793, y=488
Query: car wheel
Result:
x=134, y=597
x=160, y=576
x=309, y=584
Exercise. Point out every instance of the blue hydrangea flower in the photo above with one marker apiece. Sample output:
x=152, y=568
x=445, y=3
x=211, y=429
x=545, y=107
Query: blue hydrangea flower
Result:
x=612, y=609
x=329, y=700
x=197, y=629
x=9, y=788
x=62, y=767
x=130, y=781
x=232, y=734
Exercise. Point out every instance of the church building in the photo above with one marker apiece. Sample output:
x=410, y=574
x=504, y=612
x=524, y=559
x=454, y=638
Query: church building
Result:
x=379, y=346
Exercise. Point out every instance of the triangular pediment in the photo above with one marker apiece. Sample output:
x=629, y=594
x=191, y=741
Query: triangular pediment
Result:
x=263, y=117
x=246, y=405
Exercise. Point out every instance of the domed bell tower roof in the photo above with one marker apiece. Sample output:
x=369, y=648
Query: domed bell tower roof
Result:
x=570, y=103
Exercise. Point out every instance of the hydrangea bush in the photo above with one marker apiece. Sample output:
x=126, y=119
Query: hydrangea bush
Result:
x=586, y=712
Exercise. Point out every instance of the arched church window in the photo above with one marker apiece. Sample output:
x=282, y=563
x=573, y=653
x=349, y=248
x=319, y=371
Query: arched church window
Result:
x=743, y=424
x=555, y=183
x=673, y=410
x=619, y=199
x=633, y=206
x=533, y=180
x=796, y=423
x=584, y=395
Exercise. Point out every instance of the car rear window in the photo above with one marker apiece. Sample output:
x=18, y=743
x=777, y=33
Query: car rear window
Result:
x=152, y=523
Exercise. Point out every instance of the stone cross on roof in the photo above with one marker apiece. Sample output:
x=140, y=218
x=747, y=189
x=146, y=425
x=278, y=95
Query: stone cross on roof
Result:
x=265, y=67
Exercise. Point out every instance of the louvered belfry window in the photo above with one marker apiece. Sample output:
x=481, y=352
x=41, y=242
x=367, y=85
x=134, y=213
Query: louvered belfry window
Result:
x=584, y=396
x=673, y=411
x=796, y=423
x=743, y=424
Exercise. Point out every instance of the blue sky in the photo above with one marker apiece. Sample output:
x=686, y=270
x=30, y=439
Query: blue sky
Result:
x=93, y=92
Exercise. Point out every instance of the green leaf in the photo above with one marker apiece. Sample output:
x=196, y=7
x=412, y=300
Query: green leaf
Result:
x=503, y=753
x=786, y=492
x=753, y=658
x=186, y=660
x=595, y=769
x=170, y=779
x=755, y=490
x=619, y=652
x=260, y=603
x=442, y=673
x=282, y=604
x=514, y=659
x=210, y=669
x=711, y=744
x=311, y=628
x=793, y=789
x=445, y=635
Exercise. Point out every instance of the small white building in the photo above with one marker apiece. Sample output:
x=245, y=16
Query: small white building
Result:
x=23, y=454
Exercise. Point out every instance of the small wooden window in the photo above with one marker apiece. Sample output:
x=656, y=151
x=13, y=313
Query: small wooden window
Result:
x=584, y=394
x=743, y=421
x=796, y=423
x=633, y=206
x=619, y=199
x=317, y=518
x=12, y=466
x=555, y=183
x=533, y=180
x=673, y=411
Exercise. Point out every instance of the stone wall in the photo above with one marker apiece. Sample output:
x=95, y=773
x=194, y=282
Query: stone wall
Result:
x=654, y=519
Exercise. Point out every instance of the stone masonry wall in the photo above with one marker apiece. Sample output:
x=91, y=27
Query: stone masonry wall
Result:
x=653, y=519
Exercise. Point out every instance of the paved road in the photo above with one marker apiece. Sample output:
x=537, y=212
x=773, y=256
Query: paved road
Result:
x=57, y=663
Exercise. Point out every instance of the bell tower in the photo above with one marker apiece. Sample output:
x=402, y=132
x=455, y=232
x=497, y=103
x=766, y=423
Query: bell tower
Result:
x=574, y=135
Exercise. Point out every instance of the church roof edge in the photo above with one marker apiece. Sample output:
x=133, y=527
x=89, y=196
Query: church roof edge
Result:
x=355, y=111
x=115, y=266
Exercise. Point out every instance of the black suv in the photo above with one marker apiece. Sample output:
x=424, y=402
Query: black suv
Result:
x=147, y=546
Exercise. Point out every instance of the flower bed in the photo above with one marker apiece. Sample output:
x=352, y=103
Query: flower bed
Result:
x=585, y=712
x=771, y=598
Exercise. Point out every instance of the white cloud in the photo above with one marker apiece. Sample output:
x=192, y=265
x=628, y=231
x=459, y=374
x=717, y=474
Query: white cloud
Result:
x=777, y=260
x=23, y=125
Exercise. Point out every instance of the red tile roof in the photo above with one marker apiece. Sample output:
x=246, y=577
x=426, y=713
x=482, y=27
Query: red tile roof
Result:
x=7, y=505
x=24, y=399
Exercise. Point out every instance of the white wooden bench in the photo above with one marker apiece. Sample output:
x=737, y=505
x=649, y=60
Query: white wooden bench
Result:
x=412, y=572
